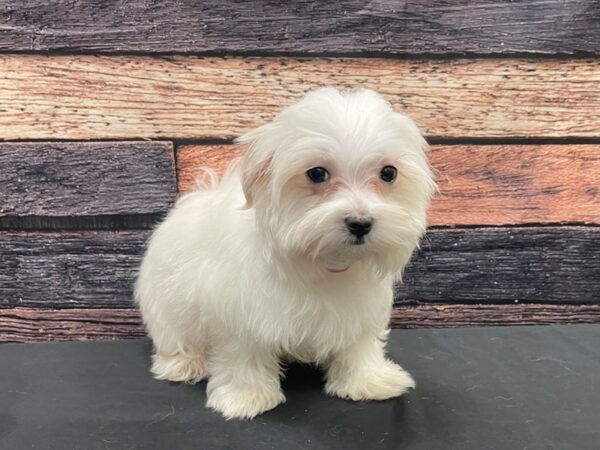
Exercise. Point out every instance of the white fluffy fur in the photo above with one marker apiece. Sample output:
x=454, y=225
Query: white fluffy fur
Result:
x=236, y=278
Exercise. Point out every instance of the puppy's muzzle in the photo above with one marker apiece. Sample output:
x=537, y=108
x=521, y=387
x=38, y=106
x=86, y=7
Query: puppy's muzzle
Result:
x=359, y=226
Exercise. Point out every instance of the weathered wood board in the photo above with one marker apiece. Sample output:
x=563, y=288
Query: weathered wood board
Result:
x=192, y=159
x=69, y=223
x=179, y=97
x=39, y=324
x=536, y=264
x=473, y=315
x=540, y=264
x=478, y=184
x=48, y=184
x=516, y=184
x=69, y=269
x=84, y=179
x=302, y=26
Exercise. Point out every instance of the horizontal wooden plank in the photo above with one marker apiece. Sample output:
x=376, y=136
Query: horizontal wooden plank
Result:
x=34, y=325
x=94, y=97
x=516, y=184
x=304, y=26
x=192, y=159
x=479, y=185
x=62, y=223
x=84, y=179
x=534, y=265
x=31, y=325
x=467, y=315
x=69, y=270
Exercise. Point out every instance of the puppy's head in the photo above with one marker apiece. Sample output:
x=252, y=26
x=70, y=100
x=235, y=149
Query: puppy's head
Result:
x=339, y=178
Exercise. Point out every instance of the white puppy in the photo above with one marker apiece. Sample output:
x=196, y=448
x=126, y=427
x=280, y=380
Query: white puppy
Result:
x=292, y=256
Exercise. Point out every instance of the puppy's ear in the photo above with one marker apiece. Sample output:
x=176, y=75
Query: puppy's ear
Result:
x=410, y=131
x=416, y=158
x=255, y=165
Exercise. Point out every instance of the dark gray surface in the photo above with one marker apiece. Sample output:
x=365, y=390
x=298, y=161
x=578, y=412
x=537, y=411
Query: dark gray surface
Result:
x=478, y=388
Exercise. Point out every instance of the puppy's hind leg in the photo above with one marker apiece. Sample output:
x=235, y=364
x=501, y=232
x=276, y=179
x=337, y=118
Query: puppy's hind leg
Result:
x=178, y=367
x=177, y=358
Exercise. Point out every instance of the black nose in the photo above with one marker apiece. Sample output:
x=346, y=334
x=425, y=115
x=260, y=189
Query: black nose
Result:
x=359, y=226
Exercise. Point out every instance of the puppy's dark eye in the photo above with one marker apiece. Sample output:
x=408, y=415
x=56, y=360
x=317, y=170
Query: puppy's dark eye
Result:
x=388, y=174
x=317, y=174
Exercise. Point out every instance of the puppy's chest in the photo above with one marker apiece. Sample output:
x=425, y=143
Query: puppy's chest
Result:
x=309, y=329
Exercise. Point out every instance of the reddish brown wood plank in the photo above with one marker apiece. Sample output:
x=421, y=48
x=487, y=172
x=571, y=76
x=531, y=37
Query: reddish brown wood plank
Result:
x=84, y=180
x=192, y=159
x=444, y=316
x=31, y=325
x=516, y=184
x=303, y=26
x=479, y=185
x=96, y=97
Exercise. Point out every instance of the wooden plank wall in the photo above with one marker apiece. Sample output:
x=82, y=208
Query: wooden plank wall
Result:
x=108, y=110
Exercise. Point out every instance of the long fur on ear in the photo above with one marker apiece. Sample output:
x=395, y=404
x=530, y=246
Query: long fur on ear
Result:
x=410, y=131
x=414, y=137
x=255, y=164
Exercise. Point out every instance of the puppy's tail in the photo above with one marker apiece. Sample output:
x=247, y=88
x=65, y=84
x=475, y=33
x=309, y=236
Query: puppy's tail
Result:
x=206, y=180
x=209, y=179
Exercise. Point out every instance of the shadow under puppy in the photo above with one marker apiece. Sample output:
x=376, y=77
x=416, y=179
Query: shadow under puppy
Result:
x=291, y=256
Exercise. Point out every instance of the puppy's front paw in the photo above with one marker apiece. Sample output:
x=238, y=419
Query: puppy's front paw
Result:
x=380, y=382
x=246, y=402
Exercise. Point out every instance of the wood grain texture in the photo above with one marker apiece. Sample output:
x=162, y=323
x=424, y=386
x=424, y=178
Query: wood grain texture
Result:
x=97, y=268
x=70, y=223
x=94, y=97
x=193, y=159
x=35, y=325
x=302, y=26
x=69, y=270
x=465, y=315
x=479, y=185
x=51, y=179
x=533, y=264
x=516, y=184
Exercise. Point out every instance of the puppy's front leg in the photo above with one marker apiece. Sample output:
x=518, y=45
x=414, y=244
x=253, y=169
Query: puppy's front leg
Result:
x=243, y=381
x=362, y=372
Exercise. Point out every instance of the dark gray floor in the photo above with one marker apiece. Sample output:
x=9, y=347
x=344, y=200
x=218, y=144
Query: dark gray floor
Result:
x=479, y=388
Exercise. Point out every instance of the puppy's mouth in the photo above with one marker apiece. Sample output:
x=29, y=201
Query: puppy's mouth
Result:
x=344, y=260
x=337, y=265
x=332, y=270
x=357, y=240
